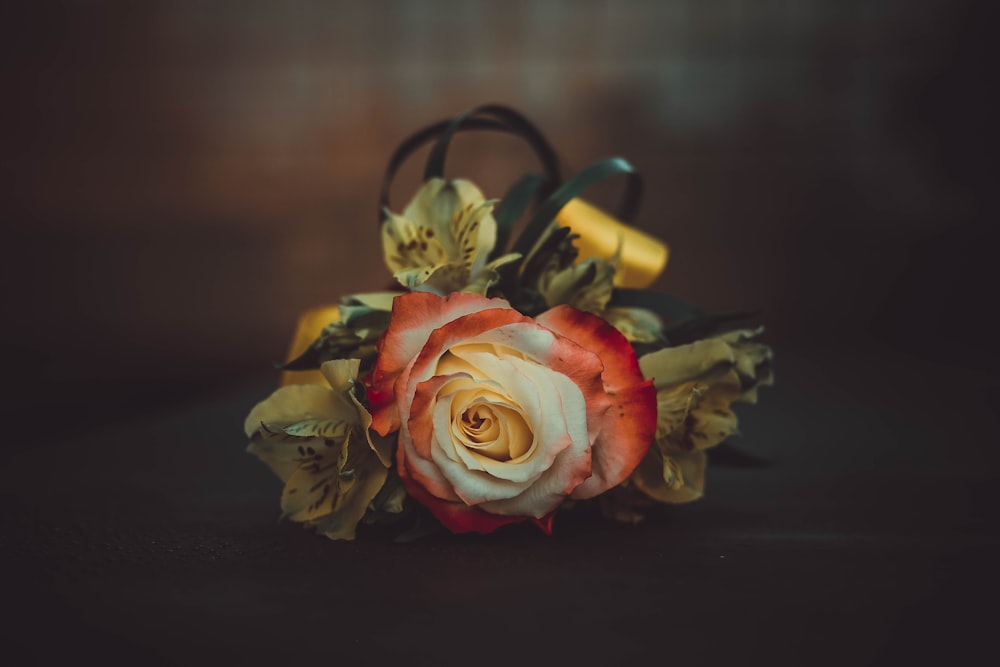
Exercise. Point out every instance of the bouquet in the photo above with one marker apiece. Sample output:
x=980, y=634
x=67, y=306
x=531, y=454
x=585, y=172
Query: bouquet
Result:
x=508, y=376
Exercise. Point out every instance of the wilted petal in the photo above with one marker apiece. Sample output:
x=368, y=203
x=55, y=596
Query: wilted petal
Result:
x=586, y=286
x=703, y=361
x=672, y=475
x=696, y=387
x=637, y=324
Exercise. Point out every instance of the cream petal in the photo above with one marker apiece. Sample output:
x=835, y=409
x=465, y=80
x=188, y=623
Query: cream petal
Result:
x=518, y=433
x=464, y=470
x=456, y=460
x=428, y=471
x=553, y=408
x=444, y=440
x=482, y=438
x=549, y=491
x=450, y=364
x=508, y=440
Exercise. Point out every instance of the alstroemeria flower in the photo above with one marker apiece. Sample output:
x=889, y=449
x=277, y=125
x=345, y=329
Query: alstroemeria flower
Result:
x=588, y=285
x=442, y=240
x=317, y=441
x=696, y=385
x=502, y=417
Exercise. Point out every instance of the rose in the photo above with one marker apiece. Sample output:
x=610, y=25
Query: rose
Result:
x=502, y=417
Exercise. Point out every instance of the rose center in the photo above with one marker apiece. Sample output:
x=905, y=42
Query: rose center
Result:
x=477, y=418
x=480, y=425
x=493, y=430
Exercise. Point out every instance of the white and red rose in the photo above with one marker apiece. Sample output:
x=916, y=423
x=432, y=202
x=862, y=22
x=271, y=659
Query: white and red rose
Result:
x=502, y=417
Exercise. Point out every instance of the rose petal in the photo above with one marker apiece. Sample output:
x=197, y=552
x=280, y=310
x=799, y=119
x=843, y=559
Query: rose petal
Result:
x=455, y=516
x=414, y=317
x=598, y=337
x=625, y=438
x=419, y=422
x=424, y=470
x=555, y=411
x=526, y=340
x=628, y=426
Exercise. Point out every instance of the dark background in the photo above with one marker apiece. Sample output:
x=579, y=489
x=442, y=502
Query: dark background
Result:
x=180, y=179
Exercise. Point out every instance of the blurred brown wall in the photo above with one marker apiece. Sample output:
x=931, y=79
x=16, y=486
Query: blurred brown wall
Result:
x=182, y=178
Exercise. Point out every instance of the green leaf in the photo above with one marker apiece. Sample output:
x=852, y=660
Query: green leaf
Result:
x=514, y=203
x=274, y=433
x=328, y=429
x=668, y=306
x=416, y=140
x=339, y=341
x=511, y=121
x=700, y=327
x=558, y=241
x=572, y=188
x=369, y=309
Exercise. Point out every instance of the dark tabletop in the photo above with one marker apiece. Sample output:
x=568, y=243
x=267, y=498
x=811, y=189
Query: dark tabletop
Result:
x=867, y=537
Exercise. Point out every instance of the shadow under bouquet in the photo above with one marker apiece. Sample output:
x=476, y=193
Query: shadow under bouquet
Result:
x=510, y=375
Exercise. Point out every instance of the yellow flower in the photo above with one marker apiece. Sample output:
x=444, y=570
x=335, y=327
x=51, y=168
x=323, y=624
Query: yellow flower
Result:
x=442, y=240
x=317, y=440
x=696, y=385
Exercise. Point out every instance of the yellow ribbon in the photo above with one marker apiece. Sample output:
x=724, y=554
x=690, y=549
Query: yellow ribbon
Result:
x=642, y=260
x=308, y=329
x=643, y=257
